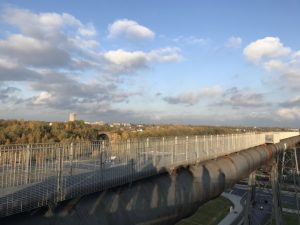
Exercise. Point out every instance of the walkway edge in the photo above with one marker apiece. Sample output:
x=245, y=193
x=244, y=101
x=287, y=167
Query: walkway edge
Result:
x=233, y=216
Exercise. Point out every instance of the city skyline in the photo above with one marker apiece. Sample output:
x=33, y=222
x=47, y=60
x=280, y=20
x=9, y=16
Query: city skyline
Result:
x=191, y=62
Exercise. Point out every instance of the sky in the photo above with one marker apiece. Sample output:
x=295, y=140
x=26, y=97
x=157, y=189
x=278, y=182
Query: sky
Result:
x=172, y=61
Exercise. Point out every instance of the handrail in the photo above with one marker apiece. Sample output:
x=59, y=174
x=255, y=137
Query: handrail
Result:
x=36, y=175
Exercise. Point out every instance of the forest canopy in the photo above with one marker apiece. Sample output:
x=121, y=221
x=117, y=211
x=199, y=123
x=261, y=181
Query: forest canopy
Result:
x=18, y=131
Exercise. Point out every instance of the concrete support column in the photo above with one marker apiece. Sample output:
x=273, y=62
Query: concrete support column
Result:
x=250, y=199
x=277, y=209
x=296, y=161
x=296, y=180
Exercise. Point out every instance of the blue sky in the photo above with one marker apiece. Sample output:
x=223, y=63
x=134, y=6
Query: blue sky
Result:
x=192, y=62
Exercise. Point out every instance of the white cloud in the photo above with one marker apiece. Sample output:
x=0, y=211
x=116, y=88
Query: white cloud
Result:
x=122, y=57
x=27, y=50
x=237, y=98
x=87, y=31
x=11, y=71
x=295, y=59
x=212, y=91
x=56, y=61
x=121, y=61
x=190, y=40
x=274, y=64
x=293, y=102
x=7, y=64
x=43, y=98
x=164, y=55
x=268, y=47
x=233, y=42
x=192, y=98
x=281, y=62
x=296, y=55
x=38, y=24
x=62, y=41
x=289, y=73
x=188, y=98
x=289, y=113
x=8, y=94
x=61, y=31
x=129, y=29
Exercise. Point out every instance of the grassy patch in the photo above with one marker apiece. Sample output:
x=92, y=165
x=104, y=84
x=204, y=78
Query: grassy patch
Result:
x=289, y=219
x=211, y=213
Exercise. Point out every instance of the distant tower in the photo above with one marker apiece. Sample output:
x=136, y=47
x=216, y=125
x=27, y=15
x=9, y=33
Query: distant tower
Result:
x=72, y=117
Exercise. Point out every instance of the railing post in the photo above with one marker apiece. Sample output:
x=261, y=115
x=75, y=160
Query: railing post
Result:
x=132, y=169
x=222, y=143
x=217, y=146
x=101, y=164
x=232, y=142
x=154, y=153
x=71, y=157
x=211, y=145
x=296, y=161
x=174, y=150
x=128, y=145
x=59, y=176
x=205, y=146
x=147, y=149
x=28, y=165
x=196, y=148
x=163, y=150
x=186, y=148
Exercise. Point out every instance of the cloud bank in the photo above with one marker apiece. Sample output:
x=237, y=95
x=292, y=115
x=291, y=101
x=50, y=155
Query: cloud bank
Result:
x=61, y=66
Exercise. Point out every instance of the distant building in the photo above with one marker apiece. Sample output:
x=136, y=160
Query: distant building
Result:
x=72, y=117
x=101, y=123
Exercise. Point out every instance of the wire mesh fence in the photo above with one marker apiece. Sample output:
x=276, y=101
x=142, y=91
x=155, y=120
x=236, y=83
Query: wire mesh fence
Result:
x=38, y=175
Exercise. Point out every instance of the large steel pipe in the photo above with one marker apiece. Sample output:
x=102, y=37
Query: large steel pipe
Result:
x=162, y=199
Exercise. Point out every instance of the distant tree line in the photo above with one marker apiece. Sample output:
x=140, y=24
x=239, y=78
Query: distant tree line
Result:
x=22, y=132
x=19, y=132
x=187, y=130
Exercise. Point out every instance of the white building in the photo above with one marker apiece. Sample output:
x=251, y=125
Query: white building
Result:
x=101, y=123
x=72, y=117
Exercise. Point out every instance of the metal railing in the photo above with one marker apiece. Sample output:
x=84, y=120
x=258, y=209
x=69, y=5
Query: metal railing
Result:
x=37, y=175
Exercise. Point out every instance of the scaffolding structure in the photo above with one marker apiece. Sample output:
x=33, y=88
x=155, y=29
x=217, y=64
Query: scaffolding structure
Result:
x=280, y=176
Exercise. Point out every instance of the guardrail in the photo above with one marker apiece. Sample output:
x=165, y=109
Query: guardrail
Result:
x=37, y=175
